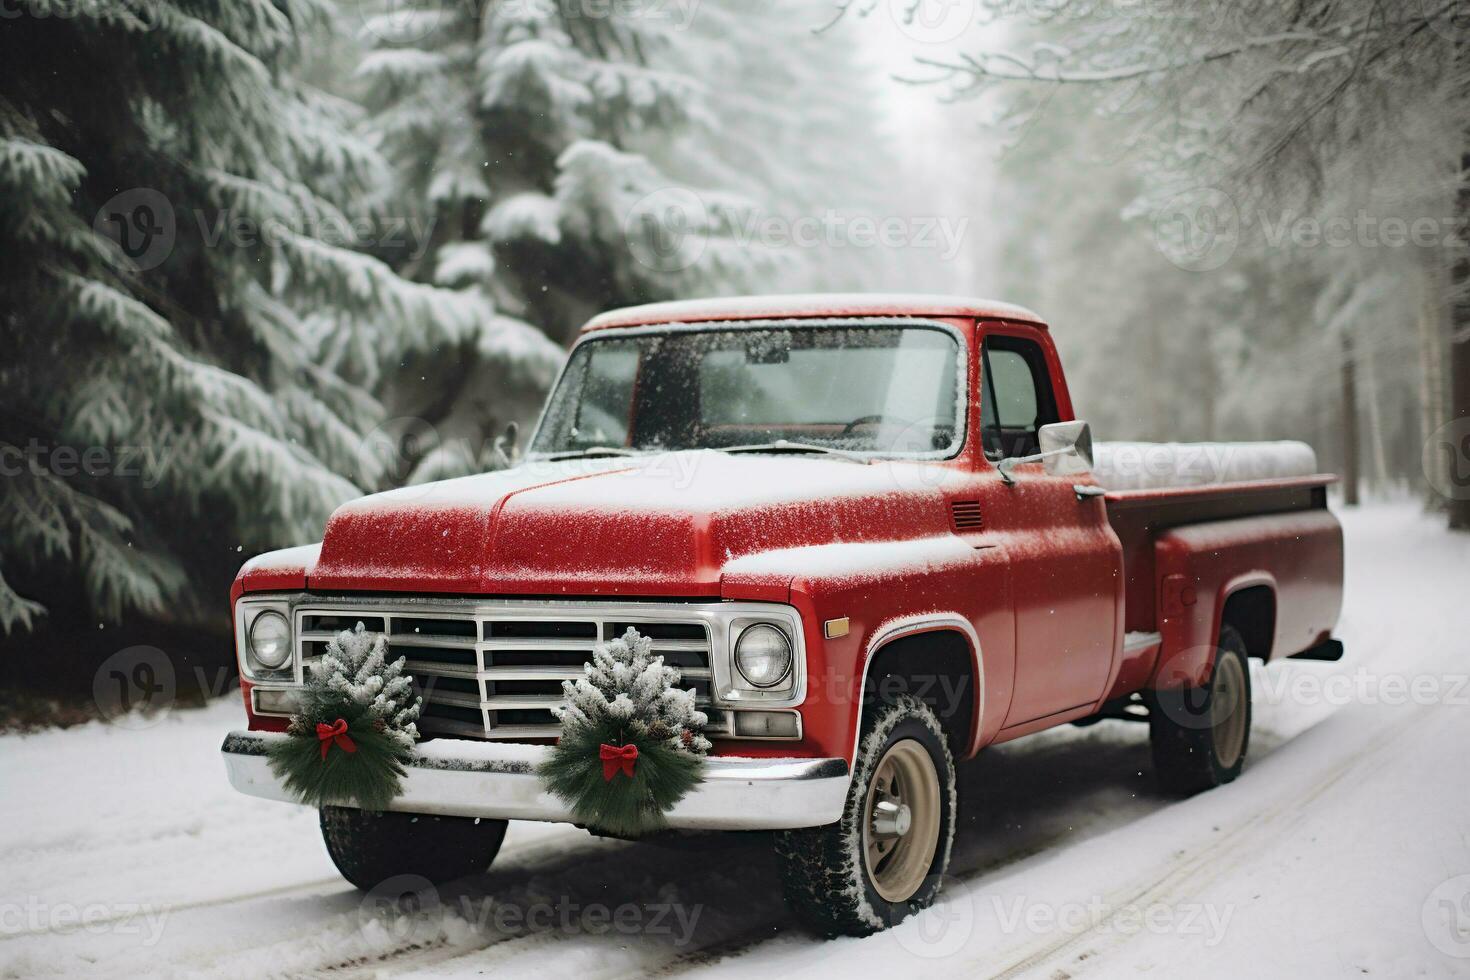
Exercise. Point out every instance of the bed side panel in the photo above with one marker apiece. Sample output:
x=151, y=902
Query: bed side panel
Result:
x=1298, y=556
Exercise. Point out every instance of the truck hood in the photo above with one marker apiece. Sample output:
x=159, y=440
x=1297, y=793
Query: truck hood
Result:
x=661, y=525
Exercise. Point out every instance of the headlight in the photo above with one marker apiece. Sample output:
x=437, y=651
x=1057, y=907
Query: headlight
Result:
x=270, y=640
x=763, y=655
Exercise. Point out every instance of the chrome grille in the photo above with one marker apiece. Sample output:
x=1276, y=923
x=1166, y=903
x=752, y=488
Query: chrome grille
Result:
x=497, y=674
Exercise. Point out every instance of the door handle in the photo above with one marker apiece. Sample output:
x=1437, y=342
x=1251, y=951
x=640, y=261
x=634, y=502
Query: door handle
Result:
x=1087, y=490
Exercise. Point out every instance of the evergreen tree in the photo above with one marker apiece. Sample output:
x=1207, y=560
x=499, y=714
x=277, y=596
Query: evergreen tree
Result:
x=180, y=276
x=616, y=154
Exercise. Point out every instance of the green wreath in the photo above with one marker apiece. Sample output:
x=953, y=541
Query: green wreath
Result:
x=632, y=744
x=351, y=740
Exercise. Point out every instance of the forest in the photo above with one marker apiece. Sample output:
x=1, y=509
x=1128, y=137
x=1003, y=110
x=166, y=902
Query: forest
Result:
x=261, y=257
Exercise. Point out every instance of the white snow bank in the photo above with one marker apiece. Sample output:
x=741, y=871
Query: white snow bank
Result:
x=1159, y=465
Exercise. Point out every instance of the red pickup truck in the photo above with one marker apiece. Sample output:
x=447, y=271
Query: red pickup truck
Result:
x=868, y=531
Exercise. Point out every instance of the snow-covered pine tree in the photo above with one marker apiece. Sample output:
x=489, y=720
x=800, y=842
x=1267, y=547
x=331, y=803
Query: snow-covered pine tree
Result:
x=626, y=699
x=531, y=133
x=795, y=123
x=355, y=729
x=181, y=306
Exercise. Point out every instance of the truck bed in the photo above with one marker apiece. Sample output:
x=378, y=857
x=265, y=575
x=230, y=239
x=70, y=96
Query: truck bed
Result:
x=1271, y=545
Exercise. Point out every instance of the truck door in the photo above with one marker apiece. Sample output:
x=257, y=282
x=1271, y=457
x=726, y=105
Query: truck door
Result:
x=1065, y=561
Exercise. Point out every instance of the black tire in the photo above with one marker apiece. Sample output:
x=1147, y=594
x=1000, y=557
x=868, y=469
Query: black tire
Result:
x=369, y=846
x=1187, y=727
x=824, y=870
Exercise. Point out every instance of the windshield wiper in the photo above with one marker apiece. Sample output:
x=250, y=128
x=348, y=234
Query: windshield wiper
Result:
x=593, y=451
x=786, y=446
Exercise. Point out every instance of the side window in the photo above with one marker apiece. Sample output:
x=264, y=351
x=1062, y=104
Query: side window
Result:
x=1016, y=397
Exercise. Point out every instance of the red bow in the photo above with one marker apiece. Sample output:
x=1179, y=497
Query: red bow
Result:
x=615, y=757
x=335, y=732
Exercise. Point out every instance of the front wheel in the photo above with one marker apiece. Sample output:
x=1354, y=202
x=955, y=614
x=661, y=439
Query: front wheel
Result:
x=369, y=846
x=1200, y=735
x=885, y=859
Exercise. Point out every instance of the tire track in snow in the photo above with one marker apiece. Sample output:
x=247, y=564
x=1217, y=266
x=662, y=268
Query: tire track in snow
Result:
x=278, y=891
x=1195, y=869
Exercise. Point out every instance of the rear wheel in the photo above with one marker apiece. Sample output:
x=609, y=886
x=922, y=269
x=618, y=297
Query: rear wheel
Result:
x=1200, y=735
x=369, y=846
x=885, y=859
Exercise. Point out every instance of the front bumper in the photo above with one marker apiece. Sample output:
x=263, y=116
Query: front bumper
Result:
x=455, y=777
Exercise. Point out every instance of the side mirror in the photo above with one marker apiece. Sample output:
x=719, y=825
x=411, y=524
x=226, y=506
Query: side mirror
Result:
x=505, y=446
x=1066, y=450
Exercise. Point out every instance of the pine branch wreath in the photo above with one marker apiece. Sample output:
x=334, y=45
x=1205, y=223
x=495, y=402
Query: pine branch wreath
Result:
x=351, y=740
x=632, y=744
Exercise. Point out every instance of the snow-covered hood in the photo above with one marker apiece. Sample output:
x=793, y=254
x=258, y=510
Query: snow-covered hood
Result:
x=660, y=525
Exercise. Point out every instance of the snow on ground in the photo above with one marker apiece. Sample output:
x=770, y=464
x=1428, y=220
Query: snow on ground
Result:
x=1343, y=849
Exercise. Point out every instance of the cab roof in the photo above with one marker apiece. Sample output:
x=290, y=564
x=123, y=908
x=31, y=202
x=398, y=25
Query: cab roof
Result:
x=810, y=305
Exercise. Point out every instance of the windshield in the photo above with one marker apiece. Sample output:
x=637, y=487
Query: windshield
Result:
x=866, y=389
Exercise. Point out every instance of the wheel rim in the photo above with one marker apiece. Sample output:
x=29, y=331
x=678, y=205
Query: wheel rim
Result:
x=1228, y=710
x=901, y=821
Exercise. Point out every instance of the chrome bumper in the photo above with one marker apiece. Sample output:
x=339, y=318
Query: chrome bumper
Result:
x=462, y=778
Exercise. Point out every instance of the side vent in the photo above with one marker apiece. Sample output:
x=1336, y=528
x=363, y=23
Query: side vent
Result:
x=965, y=515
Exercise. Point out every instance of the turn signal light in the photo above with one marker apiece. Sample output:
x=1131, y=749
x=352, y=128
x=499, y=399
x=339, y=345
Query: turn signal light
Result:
x=767, y=724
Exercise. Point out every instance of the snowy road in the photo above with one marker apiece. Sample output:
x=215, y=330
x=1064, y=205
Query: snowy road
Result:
x=1343, y=849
